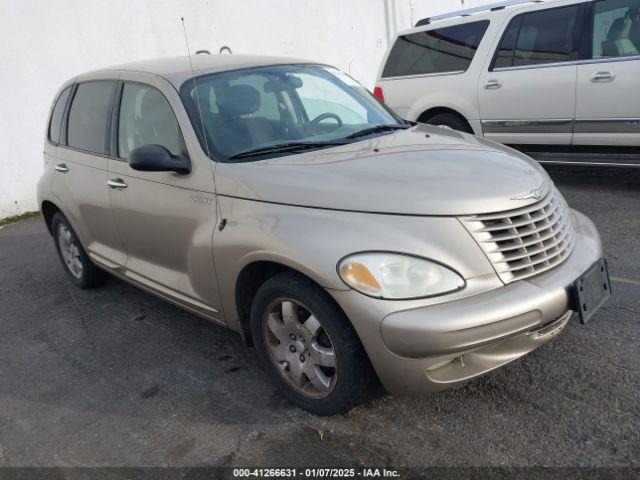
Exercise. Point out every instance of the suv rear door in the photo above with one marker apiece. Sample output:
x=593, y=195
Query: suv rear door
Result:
x=526, y=92
x=608, y=92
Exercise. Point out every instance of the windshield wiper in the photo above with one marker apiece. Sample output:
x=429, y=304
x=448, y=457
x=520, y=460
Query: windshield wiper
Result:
x=284, y=147
x=376, y=129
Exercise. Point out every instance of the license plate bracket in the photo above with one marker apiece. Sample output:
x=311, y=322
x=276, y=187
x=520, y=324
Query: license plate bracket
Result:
x=592, y=290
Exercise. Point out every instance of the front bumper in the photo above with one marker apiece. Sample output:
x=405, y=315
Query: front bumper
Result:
x=434, y=346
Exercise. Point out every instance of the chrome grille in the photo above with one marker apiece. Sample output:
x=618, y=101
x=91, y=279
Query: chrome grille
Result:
x=526, y=241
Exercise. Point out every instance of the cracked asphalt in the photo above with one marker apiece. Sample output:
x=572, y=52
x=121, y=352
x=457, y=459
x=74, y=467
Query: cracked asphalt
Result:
x=117, y=377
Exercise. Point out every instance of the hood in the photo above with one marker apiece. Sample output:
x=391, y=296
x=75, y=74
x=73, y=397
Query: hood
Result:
x=423, y=170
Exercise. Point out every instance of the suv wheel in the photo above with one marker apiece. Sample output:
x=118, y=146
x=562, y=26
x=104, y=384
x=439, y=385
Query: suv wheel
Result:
x=308, y=346
x=450, y=120
x=74, y=259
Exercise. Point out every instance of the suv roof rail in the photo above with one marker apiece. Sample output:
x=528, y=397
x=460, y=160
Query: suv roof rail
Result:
x=470, y=11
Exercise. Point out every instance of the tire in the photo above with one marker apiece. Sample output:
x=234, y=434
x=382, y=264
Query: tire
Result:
x=311, y=383
x=75, y=261
x=450, y=120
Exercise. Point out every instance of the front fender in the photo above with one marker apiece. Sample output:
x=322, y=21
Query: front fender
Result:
x=312, y=241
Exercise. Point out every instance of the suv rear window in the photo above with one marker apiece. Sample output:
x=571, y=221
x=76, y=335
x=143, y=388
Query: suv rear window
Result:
x=534, y=38
x=442, y=50
x=56, y=116
x=87, y=129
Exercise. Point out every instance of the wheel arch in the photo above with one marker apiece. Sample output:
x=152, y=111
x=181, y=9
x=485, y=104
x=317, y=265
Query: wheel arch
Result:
x=432, y=112
x=251, y=277
x=49, y=209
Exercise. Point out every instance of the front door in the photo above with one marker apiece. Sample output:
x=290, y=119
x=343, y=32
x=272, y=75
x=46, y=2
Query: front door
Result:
x=166, y=220
x=608, y=90
x=526, y=92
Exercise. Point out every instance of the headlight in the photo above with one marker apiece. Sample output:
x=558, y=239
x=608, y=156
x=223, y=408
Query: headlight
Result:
x=397, y=276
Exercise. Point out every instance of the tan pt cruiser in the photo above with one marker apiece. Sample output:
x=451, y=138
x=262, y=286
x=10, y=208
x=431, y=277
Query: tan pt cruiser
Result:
x=280, y=199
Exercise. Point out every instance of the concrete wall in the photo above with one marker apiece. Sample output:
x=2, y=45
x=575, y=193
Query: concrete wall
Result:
x=44, y=43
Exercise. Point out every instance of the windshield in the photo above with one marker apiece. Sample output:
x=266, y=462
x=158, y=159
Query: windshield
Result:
x=272, y=109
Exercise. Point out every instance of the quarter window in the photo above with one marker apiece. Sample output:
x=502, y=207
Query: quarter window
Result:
x=442, y=50
x=146, y=118
x=55, y=124
x=534, y=38
x=616, y=28
x=88, y=116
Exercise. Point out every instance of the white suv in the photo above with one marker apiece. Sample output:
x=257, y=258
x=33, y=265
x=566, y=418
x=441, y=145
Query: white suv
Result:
x=545, y=76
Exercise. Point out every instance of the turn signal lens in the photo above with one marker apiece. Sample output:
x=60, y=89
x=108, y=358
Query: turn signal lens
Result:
x=360, y=278
x=397, y=276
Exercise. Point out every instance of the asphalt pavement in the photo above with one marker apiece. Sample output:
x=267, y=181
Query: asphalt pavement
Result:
x=116, y=377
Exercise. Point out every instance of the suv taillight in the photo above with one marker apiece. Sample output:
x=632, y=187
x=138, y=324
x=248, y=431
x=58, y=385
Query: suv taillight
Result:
x=379, y=94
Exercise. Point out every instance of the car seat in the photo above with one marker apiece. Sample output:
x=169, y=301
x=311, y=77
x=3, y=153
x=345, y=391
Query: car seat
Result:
x=618, y=42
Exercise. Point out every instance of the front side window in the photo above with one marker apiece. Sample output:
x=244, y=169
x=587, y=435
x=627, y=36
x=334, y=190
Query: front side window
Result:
x=146, y=118
x=616, y=28
x=56, y=116
x=442, y=50
x=535, y=38
x=88, y=116
x=257, y=108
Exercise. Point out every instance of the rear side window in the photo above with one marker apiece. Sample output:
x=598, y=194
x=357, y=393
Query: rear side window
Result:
x=545, y=36
x=56, y=116
x=443, y=50
x=506, y=51
x=88, y=116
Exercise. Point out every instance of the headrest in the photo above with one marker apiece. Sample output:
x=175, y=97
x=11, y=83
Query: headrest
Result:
x=620, y=28
x=238, y=100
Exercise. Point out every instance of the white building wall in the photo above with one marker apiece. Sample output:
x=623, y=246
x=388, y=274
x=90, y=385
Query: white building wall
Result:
x=44, y=43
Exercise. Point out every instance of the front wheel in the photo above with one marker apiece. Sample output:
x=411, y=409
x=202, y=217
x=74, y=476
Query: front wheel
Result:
x=74, y=259
x=308, y=346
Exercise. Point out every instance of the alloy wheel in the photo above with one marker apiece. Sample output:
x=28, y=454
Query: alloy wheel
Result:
x=70, y=251
x=300, y=348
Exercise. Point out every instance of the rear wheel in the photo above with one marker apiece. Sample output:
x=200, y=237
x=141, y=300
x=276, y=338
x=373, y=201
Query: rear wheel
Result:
x=308, y=346
x=73, y=257
x=450, y=120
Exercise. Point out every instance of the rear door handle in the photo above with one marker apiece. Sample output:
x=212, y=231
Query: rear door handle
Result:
x=602, y=77
x=116, y=183
x=62, y=168
x=492, y=84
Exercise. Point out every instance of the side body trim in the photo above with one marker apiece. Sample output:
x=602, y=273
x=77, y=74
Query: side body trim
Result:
x=528, y=126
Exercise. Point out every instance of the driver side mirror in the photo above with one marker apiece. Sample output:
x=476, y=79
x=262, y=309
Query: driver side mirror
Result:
x=156, y=158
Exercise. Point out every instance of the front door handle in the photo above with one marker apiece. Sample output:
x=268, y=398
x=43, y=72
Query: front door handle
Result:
x=116, y=183
x=492, y=84
x=603, y=77
x=62, y=168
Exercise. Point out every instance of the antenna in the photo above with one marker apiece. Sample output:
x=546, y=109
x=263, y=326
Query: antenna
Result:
x=195, y=87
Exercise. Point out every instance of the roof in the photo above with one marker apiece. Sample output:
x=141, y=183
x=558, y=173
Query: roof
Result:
x=178, y=69
x=483, y=12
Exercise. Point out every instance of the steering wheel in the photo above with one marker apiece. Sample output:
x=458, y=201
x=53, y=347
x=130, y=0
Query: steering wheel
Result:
x=323, y=116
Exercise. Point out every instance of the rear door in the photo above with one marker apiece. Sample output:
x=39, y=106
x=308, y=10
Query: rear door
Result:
x=166, y=220
x=526, y=93
x=81, y=163
x=608, y=90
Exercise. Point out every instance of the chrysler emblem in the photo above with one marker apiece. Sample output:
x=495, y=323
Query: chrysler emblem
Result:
x=536, y=193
